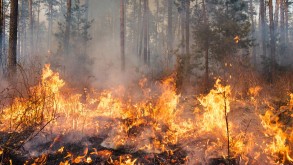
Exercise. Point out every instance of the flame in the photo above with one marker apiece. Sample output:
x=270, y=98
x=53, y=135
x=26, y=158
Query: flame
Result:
x=274, y=128
x=236, y=39
x=153, y=122
x=216, y=104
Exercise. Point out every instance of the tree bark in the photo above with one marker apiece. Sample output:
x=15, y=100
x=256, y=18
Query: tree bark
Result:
x=169, y=33
x=145, y=33
x=122, y=35
x=50, y=24
x=263, y=27
x=140, y=29
x=148, y=35
x=31, y=26
x=253, y=54
x=205, y=17
x=12, y=37
x=187, y=22
x=67, y=29
x=272, y=43
x=38, y=26
x=1, y=33
x=277, y=11
x=286, y=21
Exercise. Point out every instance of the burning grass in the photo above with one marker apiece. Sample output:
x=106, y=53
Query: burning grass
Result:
x=150, y=125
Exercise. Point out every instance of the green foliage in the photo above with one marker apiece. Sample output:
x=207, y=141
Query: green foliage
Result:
x=79, y=37
x=215, y=29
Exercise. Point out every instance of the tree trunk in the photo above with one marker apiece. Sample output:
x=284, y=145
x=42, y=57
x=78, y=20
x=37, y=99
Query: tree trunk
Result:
x=67, y=29
x=145, y=35
x=50, y=26
x=12, y=37
x=23, y=41
x=31, y=26
x=1, y=33
x=169, y=33
x=38, y=26
x=253, y=54
x=276, y=19
x=148, y=35
x=286, y=21
x=282, y=27
x=85, y=32
x=182, y=26
x=263, y=27
x=122, y=35
x=272, y=43
x=140, y=29
x=187, y=20
x=205, y=17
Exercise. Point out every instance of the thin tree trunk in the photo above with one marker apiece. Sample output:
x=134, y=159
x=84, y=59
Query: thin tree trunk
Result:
x=282, y=31
x=38, y=26
x=12, y=37
x=187, y=19
x=31, y=26
x=253, y=54
x=157, y=27
x=145, y=35
x=4, y=35
x=182, y=27
x=140, y=26
x=1, y=33
x=50, y=26
x=272, y=43
x=122, y=35
x=139, y=35
x=23, y=46
x=67, y=30
x=286, y=21
x=205, y=17
x=276, y=19
x=87, y=18
x=263, y=27
x=169, y=33
x=148, y=35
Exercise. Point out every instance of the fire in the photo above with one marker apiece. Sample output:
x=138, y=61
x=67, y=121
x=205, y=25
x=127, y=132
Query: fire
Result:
x=155, y=122
x=216, y=105
x=280, y=138
x=237, y=39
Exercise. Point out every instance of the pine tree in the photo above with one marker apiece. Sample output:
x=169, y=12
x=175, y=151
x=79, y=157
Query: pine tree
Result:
x=12, y=60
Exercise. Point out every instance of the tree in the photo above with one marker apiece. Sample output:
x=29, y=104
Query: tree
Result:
x=221, y=29
x=169, y=33
x=272, y=43
x=51, y=13
x=122, y=34
x=145, y=32
x=30, y=2
x=263, y=26
x=67, y=29
x=1, y=32
x=12, y=37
